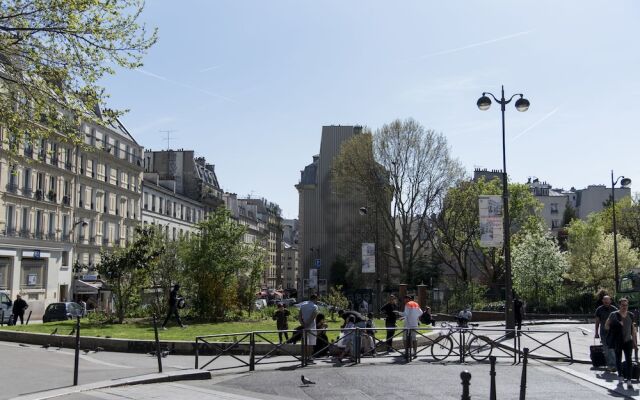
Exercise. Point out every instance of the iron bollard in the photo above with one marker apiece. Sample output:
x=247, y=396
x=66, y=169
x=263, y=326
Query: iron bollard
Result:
x=492, y=391
x=252, y=352
x=357, y=341
x=466, y=382
x=523, y=379
x=155, y=330
x=197, y=352
x=28, y=318
x=77, y=355
x=407, y=344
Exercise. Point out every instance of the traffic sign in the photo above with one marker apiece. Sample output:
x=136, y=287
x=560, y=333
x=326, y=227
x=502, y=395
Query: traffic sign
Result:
x=317, y=263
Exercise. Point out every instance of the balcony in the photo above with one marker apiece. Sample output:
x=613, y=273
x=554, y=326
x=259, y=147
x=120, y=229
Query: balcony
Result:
x=12, y=187
x=28, y=152
x=54, y=160
x=39, y=235
x=26, y=191
x=52, y=196
x=105, y=241
x=42, y=155
x=39, y=195
x=67, y=166
x=80, y=203
x=66, y=237
x=10, y=232
x=51, y=236
x=92, y=240
x=25, y=234
x=66, y=201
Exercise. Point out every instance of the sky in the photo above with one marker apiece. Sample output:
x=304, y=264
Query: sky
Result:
x=249, y=84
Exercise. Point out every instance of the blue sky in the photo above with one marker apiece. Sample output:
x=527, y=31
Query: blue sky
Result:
x=249, y=84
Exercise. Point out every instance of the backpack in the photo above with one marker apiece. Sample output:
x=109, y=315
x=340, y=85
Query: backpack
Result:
x=426, y=319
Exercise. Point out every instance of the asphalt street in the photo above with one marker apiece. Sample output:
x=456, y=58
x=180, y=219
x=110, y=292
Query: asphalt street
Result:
x=30, y=369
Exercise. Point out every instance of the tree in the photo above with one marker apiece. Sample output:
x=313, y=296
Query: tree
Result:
x=627, y=219
x=336, y=300
x=591, y=255
x=54, y=53
x=249, y=280
x=215, y=258
x=538, y=267
x=165, y=272
x=127, y=270
x=569, y=214
x=403, y=165
x=455, y=229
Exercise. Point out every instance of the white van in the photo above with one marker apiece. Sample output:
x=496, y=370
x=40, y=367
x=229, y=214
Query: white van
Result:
x=6, y=305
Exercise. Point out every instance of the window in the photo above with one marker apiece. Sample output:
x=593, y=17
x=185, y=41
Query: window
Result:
x=5, y=263
x=153, y=202
x=554, y=208
x=40, y=181
x=52, y=183
x=555, y=223
x=33, y=273
x=27, y=180
x=65, y=258
x=25, y=219
x=11, y=224
x=65, y=226
x=39, y=223
x=52, y=224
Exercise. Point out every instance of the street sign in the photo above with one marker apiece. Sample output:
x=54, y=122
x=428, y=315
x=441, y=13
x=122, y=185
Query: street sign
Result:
x=317, y=263
x=36, y=254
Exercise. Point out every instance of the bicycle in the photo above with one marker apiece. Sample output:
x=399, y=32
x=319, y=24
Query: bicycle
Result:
x=478, y=347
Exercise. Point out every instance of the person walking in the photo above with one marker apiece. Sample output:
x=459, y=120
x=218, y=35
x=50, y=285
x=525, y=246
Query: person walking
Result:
x=602, y=315
x=622, y=335
x=390, y=310
x=307, y=317
x=174, y=298
x=411, y=315
x=281, y=317
x=19, y=307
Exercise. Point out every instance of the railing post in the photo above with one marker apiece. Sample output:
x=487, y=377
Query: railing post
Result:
x=29, y=317
x=77, y=354
x=466, y=382
x=155, y=331
x=570, y=347
x=357, y=341
x=492, y=373
x=461, y=345
x=523, y=379
x=197, y=351
x=517, y=344
x=252, y=352
x=406, y=337
x=303, y=344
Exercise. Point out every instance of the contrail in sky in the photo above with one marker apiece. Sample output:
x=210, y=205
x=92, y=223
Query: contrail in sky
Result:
x=184, y=85
x=538, y=122
x=478, y=44
x=209, y=68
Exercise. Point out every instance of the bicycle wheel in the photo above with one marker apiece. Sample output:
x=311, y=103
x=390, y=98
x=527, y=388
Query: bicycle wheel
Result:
x=480, y=348
x=441, y=348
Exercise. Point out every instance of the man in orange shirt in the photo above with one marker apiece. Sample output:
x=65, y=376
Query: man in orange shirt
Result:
x=411, y=315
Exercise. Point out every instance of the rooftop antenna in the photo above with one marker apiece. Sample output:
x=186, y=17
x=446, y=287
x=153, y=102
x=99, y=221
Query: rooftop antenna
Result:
x=168, y=132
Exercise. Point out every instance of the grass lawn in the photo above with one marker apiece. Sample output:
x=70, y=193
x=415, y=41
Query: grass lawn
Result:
x=143, y=329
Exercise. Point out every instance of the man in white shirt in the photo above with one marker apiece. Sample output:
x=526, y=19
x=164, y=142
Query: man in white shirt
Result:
x=307, y=317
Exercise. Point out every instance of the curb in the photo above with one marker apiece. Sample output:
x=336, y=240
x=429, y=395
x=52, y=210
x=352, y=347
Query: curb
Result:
x=173, y=376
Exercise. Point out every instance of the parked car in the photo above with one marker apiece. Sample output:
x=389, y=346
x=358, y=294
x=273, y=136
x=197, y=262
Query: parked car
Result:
x=6, y=305
x=62, y=311
x=260, y=304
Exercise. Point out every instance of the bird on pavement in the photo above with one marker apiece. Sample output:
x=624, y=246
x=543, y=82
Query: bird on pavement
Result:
x=306, y=381
x=23, y=345
x=72, y=331
x=584, y=331
x=165, y=353
x=86, y=351
x=45, y=346
x=54, y=331
x=97, y=349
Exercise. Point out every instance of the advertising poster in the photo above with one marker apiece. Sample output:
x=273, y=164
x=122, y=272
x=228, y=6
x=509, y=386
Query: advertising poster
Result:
x=491, y=222
x=368, y=258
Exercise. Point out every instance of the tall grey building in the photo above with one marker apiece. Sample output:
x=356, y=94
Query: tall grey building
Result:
x=328, y=223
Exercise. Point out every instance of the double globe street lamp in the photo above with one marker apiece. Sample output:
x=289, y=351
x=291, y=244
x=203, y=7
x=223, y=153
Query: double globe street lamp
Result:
x=522, y=104
x=624, y=182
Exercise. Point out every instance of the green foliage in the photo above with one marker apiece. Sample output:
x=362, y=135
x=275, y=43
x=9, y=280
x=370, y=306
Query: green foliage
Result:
x=627, y=219
x=538, y=266
x=339, y=270
x=569, y=214
x=336, y=298
x=249, y=281
x=215, y=260
x=468, y=293
x=54, y=55
x=127, y=270
x=591, y=255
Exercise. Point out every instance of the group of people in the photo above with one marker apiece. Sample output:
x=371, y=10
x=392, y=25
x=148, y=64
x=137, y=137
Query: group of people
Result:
x=618, y=334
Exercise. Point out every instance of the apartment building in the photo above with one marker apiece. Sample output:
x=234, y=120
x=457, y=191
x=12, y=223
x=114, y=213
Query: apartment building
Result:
x=164, y=206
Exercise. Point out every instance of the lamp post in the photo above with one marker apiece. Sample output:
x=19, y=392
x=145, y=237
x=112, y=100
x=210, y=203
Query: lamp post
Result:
x=364, y=211
x=624, y=182
x=522, y=105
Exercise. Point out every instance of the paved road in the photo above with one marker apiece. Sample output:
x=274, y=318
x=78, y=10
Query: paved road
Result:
x=34, y=369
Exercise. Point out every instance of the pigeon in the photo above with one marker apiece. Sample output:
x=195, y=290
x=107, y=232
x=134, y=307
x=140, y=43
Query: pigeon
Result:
x=584, y=331
x=86, y=351
x=306, y=381
x=45, y=346
x=23, y=345
x=97, y=349
x=55, y=331
x=72, y=331
x=165, y=353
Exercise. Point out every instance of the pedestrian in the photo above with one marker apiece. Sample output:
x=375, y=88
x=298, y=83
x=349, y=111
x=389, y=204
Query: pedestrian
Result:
x=518, y=310
x=464, y=316
x=411, y=315
x=390, y=311
x=426, y=317
x=622, y=335
x=602, y=315
x=19, y=307
x=321, y=348
x=281, y=316
x=307, y=317
x=364, y=307
x=174, y=300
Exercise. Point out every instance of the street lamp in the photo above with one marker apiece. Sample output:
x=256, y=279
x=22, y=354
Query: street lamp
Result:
x=624, y=182
x=522, y=104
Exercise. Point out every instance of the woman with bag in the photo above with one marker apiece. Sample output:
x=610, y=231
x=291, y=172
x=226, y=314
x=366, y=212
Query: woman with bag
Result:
x=622, y=337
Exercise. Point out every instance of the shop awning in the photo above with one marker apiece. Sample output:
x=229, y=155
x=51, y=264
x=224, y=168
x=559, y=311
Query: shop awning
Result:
x=82, y=287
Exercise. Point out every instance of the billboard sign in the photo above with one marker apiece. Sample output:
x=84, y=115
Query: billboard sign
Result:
x=491, y=221
x=368, y=258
